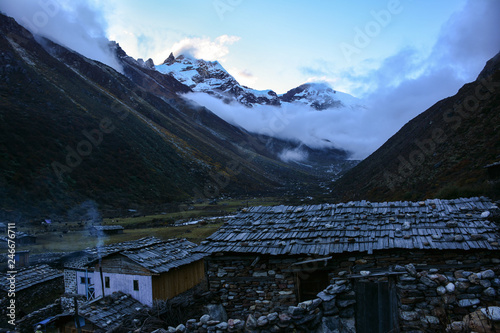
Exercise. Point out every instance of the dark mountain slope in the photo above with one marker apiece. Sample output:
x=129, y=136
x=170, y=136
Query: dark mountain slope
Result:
x=442, y=152
x=74, y=129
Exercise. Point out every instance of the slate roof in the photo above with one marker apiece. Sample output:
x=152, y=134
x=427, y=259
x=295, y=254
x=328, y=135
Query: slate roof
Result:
x=110, y=312
x=161, y=257
x=108, y=227
x=31, y=276
x=358, y=226
x=73, y=260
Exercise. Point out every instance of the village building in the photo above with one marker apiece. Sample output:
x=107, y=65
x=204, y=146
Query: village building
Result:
x=376, y=267
x=102, y=315
x=155, y=272
x=148, y=269
x=35, y=287
x=79, y=277
x=106, y=230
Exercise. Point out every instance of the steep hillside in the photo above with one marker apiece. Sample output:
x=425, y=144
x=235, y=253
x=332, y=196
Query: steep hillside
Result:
x=440, y=153
x=74, y=129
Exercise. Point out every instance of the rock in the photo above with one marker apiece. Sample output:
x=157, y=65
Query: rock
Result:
x=457, y=326
x=450, y=287
x=410, y=268
x=488, y=274
x=431, y=320
x=441, y=290
x=180, y=329
x=325, y=297
x=330, y=307
x=492, y=313
x=365, y=273
x=476, y=289
x=474, y=278
x=347, y=312
x=485, y=214
x=464, y=303
x=399, y=268
x=259, y=274
x=336, y=289
x=272, y=317
x=347, y=325
x=428, y=282
x=345, y=303
x=478, y=322
x=490, y=292
x=409, y=315
x=216, y=312
x=329, y=324
x=204, y=319
x=295, y=310
x=262, y=321
x=251, y=322
x=222, y=326
x=485, y=283
x=284, y=320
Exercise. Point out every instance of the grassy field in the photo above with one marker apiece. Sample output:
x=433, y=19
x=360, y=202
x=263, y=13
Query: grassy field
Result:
x=79, y=240
x=77, y=237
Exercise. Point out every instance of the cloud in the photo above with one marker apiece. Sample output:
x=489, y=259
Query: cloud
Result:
x=205, y=48
x=352, y=130
x=74, y=24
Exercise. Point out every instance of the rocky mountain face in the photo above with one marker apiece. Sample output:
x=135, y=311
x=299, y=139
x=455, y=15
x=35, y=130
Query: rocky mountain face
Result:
x=447, y=151
x=75, y=129
x=211, y=78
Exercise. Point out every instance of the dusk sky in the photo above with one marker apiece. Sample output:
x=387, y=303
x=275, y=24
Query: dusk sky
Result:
x=399, y=56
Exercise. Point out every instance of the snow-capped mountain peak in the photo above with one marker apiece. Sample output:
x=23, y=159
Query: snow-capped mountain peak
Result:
x=320, y=96
x=210, y=77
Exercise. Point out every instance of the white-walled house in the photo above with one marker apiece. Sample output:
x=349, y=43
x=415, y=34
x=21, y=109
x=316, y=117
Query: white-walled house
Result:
x=79, y=277
x=157, y=271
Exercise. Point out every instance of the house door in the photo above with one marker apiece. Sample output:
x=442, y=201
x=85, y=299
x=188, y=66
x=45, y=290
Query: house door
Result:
x=376, y=307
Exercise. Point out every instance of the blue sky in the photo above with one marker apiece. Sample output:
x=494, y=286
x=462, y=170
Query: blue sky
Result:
x=279, y=44
x=399, y=56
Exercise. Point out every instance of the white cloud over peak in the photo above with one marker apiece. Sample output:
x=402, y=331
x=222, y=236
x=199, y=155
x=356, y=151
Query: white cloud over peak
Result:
x=204, y=47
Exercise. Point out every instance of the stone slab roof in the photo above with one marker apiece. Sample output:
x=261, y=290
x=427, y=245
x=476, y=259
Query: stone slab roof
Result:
x=31, y=276
x=110, y=312
x=361, y=226
x=162, y=257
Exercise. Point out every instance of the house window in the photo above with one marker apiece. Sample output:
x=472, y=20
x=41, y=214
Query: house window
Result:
x=136, y=285
x=106, y=282
x=82, y=280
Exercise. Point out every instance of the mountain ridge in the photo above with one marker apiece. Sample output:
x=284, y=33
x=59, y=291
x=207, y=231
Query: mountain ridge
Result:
x=440, y=153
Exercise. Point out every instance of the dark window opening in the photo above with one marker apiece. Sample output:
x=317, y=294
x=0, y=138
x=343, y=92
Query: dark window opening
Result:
x=106, y=282
x=310, y=284
x=82, y=280
x=136, y=285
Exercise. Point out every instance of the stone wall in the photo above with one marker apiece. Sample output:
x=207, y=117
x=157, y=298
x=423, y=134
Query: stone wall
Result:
x=434, y=291
x=245, y=285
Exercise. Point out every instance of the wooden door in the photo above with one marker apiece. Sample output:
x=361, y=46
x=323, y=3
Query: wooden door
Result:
x=376, y=307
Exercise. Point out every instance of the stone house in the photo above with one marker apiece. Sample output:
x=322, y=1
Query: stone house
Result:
x=106, y=230
x=35, y=287
x=396, y=266
x=101, y=315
